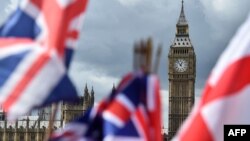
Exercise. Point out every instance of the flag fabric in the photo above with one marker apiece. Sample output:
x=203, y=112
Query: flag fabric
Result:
x=226, y=96
x=132, y=112
x=36, y=44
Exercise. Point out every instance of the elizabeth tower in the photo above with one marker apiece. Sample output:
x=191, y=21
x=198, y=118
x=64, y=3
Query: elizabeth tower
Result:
x=182, y=64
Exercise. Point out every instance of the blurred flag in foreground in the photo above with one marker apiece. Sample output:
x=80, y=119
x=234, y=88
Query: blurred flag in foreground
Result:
x=226, y=97
x=132, y=112
x=36, y=44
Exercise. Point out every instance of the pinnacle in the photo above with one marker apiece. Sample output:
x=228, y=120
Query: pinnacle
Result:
x=182, y=19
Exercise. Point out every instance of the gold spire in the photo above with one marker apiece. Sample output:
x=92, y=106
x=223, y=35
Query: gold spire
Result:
x=182, y=19
x=182, y=31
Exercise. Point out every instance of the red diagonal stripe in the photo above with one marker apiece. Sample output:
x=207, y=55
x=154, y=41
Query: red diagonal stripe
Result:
x=197, y=132
x=72, y=11
x=53, y=15
x=235, y=78
x=119, y=110
x=125, y=81
x=156, y=114
x=73, y=34
x=7, y=42
x=23, y=83
x=142, y=122
x=58, y=20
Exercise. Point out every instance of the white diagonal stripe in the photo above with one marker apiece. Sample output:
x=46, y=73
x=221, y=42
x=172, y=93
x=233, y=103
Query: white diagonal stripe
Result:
x=64, y=3
x=151, y=92
x=232, y=109
x=238, y=48
x=38, y=88
x=125, y=102
x=113, y=119
x=21, y=69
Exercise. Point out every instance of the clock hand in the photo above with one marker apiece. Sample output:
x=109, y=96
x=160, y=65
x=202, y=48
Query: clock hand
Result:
x=181, y=64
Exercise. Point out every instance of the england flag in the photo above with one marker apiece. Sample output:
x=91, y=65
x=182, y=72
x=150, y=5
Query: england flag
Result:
x=226, y=96
x=36, y=45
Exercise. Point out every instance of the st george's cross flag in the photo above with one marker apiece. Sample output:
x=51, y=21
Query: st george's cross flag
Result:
x=225, y=100
x=36, y=44
x=131, y=113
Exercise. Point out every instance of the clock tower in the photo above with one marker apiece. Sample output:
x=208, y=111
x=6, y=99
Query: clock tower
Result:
x=182, y=70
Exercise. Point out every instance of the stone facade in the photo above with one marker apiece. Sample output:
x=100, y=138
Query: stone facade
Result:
x=34, y=128
x=24, y=129
x=182, y=73
x=69, y=111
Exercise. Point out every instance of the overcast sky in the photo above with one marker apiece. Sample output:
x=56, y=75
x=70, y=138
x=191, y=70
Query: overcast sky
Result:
x=111, y=27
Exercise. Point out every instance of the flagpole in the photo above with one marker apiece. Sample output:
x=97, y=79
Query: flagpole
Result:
x=51, y=121
x=143, y=56
x=148, y=55
x=158, y=58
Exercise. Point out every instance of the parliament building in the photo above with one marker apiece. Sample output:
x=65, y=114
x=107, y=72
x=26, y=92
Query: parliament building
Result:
x=33, y=128
x=181, y=74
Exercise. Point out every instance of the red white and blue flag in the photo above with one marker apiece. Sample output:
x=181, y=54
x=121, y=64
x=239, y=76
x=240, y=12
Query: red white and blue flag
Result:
x=36, y=44
x=225, y=100
x=132, y=112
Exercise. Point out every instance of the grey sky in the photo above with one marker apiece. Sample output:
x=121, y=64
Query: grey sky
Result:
x=111, y=27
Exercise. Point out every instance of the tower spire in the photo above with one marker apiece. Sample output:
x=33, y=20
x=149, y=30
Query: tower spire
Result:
x=92, y=92
x=86, y=88
x=182, y=19
x=182, y=30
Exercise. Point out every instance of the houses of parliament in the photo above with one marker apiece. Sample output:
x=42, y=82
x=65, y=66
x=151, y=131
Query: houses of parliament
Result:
x=33, y=128
x=181, y=75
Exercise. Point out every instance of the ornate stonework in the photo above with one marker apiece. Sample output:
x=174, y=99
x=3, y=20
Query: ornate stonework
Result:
x=33, y=128
x=70, y=112
x=182, y=73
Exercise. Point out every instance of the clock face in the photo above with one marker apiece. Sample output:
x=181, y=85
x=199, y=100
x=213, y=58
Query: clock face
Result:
x=181, y=65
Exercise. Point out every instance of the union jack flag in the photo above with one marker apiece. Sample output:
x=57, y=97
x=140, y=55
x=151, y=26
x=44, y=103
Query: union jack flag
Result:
x=132, y=112
x=36, y=44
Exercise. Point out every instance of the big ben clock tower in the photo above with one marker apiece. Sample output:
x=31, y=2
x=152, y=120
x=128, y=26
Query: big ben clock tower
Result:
x=182, y=64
